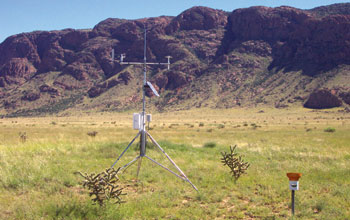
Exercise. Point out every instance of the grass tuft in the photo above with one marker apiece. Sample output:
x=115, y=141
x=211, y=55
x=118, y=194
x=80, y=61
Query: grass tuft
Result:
x=209, y=145
x=329, y=129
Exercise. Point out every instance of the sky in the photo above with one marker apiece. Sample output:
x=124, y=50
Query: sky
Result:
x=18, y=16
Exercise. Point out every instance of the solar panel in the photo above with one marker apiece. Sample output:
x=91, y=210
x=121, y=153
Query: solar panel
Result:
x=153, y=89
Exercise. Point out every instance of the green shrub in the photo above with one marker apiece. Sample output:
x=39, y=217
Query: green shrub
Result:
x=329, y=129
x=220, y=126
x=209, y=145
x=320, y=205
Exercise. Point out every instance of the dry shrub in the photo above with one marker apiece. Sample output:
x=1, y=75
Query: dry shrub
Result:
x=235, y=162
x=92, y=133
x=103, y=186
x=23, y=136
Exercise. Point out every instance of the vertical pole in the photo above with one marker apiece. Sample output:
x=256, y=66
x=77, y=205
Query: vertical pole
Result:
x=143, y=135
x=138, y=168
x=293, y=194
x=113, y=58
x=142, y=145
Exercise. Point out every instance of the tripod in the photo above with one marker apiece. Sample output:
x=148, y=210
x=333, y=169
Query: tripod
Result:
x=142, y=129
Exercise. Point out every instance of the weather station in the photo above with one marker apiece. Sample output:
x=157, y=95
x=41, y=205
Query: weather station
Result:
x=140, y=119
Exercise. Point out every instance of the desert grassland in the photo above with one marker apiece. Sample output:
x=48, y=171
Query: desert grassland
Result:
x=37, y=179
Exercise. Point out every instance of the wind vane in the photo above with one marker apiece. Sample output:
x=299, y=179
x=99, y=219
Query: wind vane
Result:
x=139, y=120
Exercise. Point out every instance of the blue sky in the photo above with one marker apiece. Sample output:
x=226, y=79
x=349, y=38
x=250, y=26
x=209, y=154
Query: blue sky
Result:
x=19, y=16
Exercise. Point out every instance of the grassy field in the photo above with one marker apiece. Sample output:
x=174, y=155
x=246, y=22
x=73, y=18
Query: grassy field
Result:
x=39, y=158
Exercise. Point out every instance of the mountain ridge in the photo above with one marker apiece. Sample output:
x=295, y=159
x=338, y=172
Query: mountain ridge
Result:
x=253, y=56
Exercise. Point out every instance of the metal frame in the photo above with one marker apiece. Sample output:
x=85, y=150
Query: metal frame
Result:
x=142, y=132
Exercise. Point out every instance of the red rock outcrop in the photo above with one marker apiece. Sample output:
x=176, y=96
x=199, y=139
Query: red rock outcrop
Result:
x=16, y=71
x=48, y=89
x=20, y=46
x=31, y=96
x=98, y=89
x=317, y=46
x=101, y=88
x=177, y=79
x=264, y=23
x=334, y=9
x=322, y=99
x=73, y=39
x=345, y=96
x=161, y=81
x=299, y=40
x=125, y=77
x=197, y=18
x=106, y=27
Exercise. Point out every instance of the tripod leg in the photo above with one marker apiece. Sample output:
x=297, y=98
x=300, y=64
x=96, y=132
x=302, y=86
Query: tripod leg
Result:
x=130, y=163
x=138, y=167
x=126, y=149
x=159, y=164
x=178, y=168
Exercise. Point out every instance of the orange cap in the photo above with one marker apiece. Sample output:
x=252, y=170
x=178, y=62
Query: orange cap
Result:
x=294, y=176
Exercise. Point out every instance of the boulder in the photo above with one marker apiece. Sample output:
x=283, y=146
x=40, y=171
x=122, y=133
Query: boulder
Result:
x=48, y=89
x=31, y=96
x=322, y=99
x=161, y=81
x=125, y=77
x=345, y=96
x=176, y=79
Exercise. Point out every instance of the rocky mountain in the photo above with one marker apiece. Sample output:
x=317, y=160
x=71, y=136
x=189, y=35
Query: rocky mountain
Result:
x=252, y=56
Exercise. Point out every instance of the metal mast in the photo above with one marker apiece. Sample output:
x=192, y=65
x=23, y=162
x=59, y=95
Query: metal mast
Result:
x=143, y=121
x=142, y=132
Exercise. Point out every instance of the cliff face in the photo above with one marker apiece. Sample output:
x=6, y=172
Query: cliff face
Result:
x=299, y=39
x=219, y=59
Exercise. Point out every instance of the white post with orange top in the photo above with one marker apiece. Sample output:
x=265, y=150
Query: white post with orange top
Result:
x=293, y=185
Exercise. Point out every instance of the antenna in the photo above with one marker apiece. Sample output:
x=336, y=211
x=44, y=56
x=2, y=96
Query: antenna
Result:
x=140, y=119
x=112, y=55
